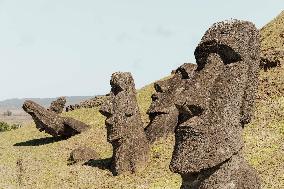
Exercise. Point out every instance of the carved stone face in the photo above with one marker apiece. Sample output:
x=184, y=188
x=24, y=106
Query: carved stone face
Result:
x=162, y=113
x=29, y=106
x=45, y=120
x=212, y=106
x=120, y=106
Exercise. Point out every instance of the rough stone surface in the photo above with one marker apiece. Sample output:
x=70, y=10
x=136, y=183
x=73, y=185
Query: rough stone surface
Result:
x=58, y=105
x=217, y=101
x=83, y=154
x=163, y=113
x=124, y=126
x=271, y=58
x=52, y=123
x=234, y=173
x=91, y=103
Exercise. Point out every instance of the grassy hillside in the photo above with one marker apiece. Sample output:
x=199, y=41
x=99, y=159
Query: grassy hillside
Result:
x=30, y=159
x=272, y=34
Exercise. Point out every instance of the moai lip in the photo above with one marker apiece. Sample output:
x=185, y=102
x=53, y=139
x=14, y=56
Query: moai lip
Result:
x=163, y=113
x=217, y=102
x=124, y=126
x=52, y=123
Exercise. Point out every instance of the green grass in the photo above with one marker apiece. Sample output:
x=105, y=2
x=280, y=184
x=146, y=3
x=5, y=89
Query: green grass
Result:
x=8, y=127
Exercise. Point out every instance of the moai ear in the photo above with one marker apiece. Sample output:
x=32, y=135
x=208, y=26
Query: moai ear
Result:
x=106, y=108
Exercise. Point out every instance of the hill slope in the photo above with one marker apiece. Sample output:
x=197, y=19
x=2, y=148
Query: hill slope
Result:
x=272, y=34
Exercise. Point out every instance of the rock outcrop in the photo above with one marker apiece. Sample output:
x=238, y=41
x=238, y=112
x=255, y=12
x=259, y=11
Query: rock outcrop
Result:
x=271, y=58
x=215, y=106
x=124, y=126
x=83, y=154
x=52, y=123
x=90, y=103
x=163, y=113
x=57, y=106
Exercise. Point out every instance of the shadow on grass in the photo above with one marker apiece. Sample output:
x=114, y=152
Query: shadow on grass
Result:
x=103, y=164
x=40, y=141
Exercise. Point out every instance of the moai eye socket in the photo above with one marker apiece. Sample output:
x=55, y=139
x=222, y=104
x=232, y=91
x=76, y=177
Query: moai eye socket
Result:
x=116, y=89
x=227, y=54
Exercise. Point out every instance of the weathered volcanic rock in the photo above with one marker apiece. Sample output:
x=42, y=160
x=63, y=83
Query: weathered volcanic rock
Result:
x=58, y=105
x=52, y=123
x=235, y=173
x=271, y=58
x=163, y=113
x=83, y=154
x=217, y=101
x=124, y=126
x=90, y=103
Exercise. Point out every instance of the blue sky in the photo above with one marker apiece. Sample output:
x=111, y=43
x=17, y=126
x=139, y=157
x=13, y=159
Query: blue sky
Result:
x=52, y=48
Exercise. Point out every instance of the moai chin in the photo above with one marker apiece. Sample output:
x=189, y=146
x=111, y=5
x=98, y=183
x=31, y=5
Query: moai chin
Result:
x=214, y=107
x=52, y=123
x=162, y=112
x=124, y=126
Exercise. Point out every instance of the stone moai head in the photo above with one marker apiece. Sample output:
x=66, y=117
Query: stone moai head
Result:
x=217, y=101
x=121, y=107
x=52, y=123
x=57, y=106
x=45, y=120
x=124, y=125
x=162, y=112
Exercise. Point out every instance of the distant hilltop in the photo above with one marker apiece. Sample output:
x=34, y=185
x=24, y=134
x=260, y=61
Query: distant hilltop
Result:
x=17, y=103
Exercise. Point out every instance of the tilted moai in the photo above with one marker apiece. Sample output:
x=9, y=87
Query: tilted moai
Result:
x=52, y=123
x=57, y=105
x=124, y=126
x=214, y=108
x=163, y=113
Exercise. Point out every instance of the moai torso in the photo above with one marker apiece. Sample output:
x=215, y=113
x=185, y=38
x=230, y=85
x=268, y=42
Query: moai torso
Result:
x=124, y=126
x=52, y=123
x=163, y=113
x=218, y=100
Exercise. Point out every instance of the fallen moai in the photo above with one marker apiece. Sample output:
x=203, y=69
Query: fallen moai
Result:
x=124, y=126
x=214, y=107
x=52, y=123
x=162, y=112
x=57, y=105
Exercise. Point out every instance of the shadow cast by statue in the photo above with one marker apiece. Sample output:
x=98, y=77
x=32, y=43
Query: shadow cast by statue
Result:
x=40, y=141
x=104, y=164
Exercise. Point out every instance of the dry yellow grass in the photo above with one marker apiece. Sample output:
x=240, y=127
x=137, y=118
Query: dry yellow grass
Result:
x=30, y=159
x=272, y=34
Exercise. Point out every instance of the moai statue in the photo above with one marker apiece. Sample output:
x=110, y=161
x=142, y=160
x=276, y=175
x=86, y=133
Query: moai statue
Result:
x=52, y=123
x=214, y=108
x=57, y=105
x=124, y=126
x=163, y=113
